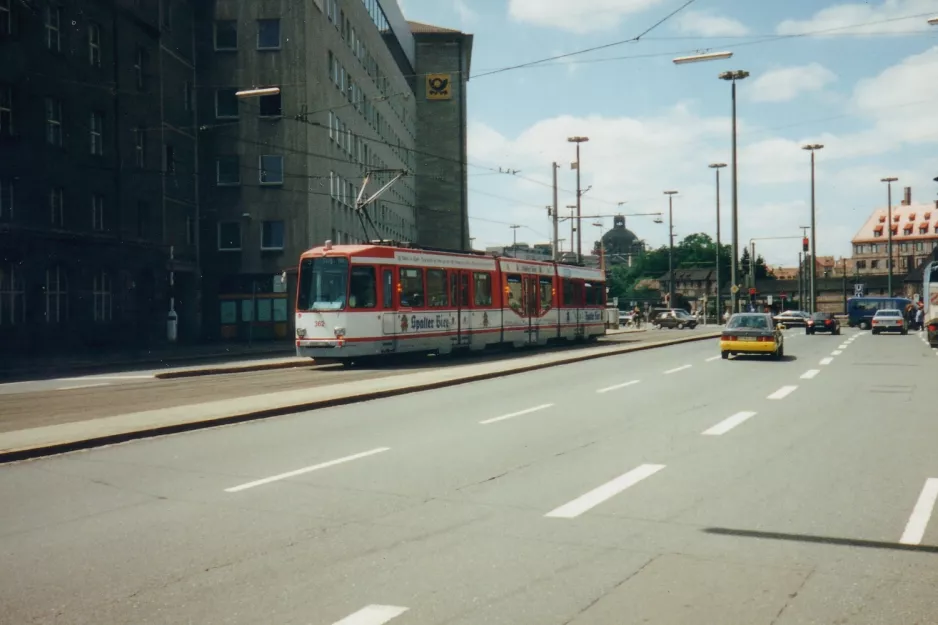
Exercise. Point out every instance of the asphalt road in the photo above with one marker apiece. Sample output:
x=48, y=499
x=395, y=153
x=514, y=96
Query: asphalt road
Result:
x=39, y=403
x=665, y=486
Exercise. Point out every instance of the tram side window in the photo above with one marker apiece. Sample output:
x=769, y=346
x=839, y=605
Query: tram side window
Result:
x=482, y=284
x=594, y=293
x=514, y=291
x=436, y=288
x=570, y=294
x=546, y=286
x=387, y=287
x=411, y=286
x=363, y=288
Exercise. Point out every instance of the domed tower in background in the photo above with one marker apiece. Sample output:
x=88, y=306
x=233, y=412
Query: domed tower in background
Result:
x=620, y=241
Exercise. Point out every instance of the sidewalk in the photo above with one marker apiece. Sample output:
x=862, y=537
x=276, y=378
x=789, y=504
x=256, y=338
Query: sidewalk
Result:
x=127, y=360
x=34, y=442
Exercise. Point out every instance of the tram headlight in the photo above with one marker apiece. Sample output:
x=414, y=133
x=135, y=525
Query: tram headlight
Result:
x=301, y=333
x=339, y=331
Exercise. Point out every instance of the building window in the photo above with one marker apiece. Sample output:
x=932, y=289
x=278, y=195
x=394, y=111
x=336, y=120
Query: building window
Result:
x=143, y=219
x=56, y=295
x=861, y=264
x=166, y=13
x=6, y=110
x=6, y=198
x=97, y=133
x=226, y=35
x=874, y=264
x=97, y=212
x=226, y=104
x=94, y=45
x=919, y=246
x=187, y=96
x=229, y=236
x=103, y=299
x=190, y=230
x=169, y=159
x=271, y=106
x=53, y=19
x=140, y=147
x=140, y=67
x=268, y=34
x=53, y=121
x=227, y=171
x=12, y=296
x=271, y=169
x=272, y=235
x=6, y=18
x=57, y=206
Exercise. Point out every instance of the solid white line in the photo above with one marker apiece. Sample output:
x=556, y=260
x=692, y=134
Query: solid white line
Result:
x=783, y=392
x=809, y=374
x=610, y=489
x=915, y=528
x=315, y=467
x=836, y=352
x=827, y=361
x=712, y=358
x=728, y=424
x=676, y=369
x=515, y=414
x=373, y=615
x=77, y=386
x=617, y=386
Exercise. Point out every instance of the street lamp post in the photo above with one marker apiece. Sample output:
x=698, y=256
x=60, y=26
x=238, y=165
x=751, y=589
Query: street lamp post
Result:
x=717, y=167
x=733, y=76
x=670, y=195
x=814, y=147
x=514, y=238
x=889, y=182
x=579, y=195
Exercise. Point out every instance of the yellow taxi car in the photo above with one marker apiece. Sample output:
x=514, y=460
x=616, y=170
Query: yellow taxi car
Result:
x=752, y=333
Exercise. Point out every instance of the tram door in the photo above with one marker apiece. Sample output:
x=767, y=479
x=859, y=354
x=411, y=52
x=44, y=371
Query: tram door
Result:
x=530, y=306
x=389, y=317
x=459, y=300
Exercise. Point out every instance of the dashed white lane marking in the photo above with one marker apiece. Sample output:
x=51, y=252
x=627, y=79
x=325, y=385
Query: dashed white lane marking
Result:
x=78, y=386
x=915, y=528
x=600, y=494
x=515, y=414
x=615, y=387
x=836, y=352
x=782, y=393
x=844, y=346
x=676, y=369
x=315, y=467
x=712, y=358
x=373, y=615
x=809, y=374
x=729, y=423
x=827, y=361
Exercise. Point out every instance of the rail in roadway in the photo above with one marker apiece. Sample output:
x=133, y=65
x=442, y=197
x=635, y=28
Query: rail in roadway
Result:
x=664, y=486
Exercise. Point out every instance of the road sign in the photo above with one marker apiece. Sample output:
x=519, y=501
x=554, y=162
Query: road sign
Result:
x=783, y=294
x=734, y=289
x=752, y=290
x=768, y=300
x=858, y=290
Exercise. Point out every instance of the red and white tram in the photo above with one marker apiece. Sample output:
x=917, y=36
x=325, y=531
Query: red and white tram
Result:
x=355, y=301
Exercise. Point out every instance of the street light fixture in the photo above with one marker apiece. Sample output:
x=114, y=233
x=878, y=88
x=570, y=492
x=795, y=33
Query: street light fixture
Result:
x=670, y=195
x=579, y=194
x=257, y=93
x=933, y=21
x=697, y=58
x=716, y=167
x=889, y=182
x=814, y=147
x=734, y=76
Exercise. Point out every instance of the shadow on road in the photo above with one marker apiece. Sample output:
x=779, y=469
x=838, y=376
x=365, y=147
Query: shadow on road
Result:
x=785, y=358
x=822, y=540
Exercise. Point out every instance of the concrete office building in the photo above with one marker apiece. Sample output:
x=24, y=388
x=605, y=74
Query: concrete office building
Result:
x=281, y=173
x=97, y=173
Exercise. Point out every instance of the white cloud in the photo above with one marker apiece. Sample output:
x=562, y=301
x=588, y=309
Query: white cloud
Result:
x=708, y=24
x=466, y=15
x=786, y=83
x=872, y=15
x=578, y=17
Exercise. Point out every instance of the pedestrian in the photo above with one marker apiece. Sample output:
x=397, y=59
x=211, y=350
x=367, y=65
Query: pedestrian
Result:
x=919, y=318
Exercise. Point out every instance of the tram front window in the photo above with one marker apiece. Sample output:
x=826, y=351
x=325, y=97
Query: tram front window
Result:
x=323, y=283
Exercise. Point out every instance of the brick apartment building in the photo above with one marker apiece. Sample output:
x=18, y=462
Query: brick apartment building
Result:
x=914, y=236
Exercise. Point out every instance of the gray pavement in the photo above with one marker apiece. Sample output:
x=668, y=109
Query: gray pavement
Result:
x=628, y=489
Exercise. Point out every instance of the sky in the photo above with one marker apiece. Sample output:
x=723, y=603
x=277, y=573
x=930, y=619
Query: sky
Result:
x=861, y=78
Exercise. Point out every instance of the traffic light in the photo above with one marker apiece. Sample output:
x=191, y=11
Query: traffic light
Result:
x=804, y=244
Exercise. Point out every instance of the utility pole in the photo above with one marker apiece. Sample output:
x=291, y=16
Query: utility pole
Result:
x=800, y=281
x=813, y=148
x=889, y=182
x=556, y=254
x=670, y=195
x=579, y=195
x=804, y=268
x=844, y=261
x=716, y=167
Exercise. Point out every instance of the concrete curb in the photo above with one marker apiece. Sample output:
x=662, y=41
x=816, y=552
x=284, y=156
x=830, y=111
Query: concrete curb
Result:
x=264, y=366
x=16, y=455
